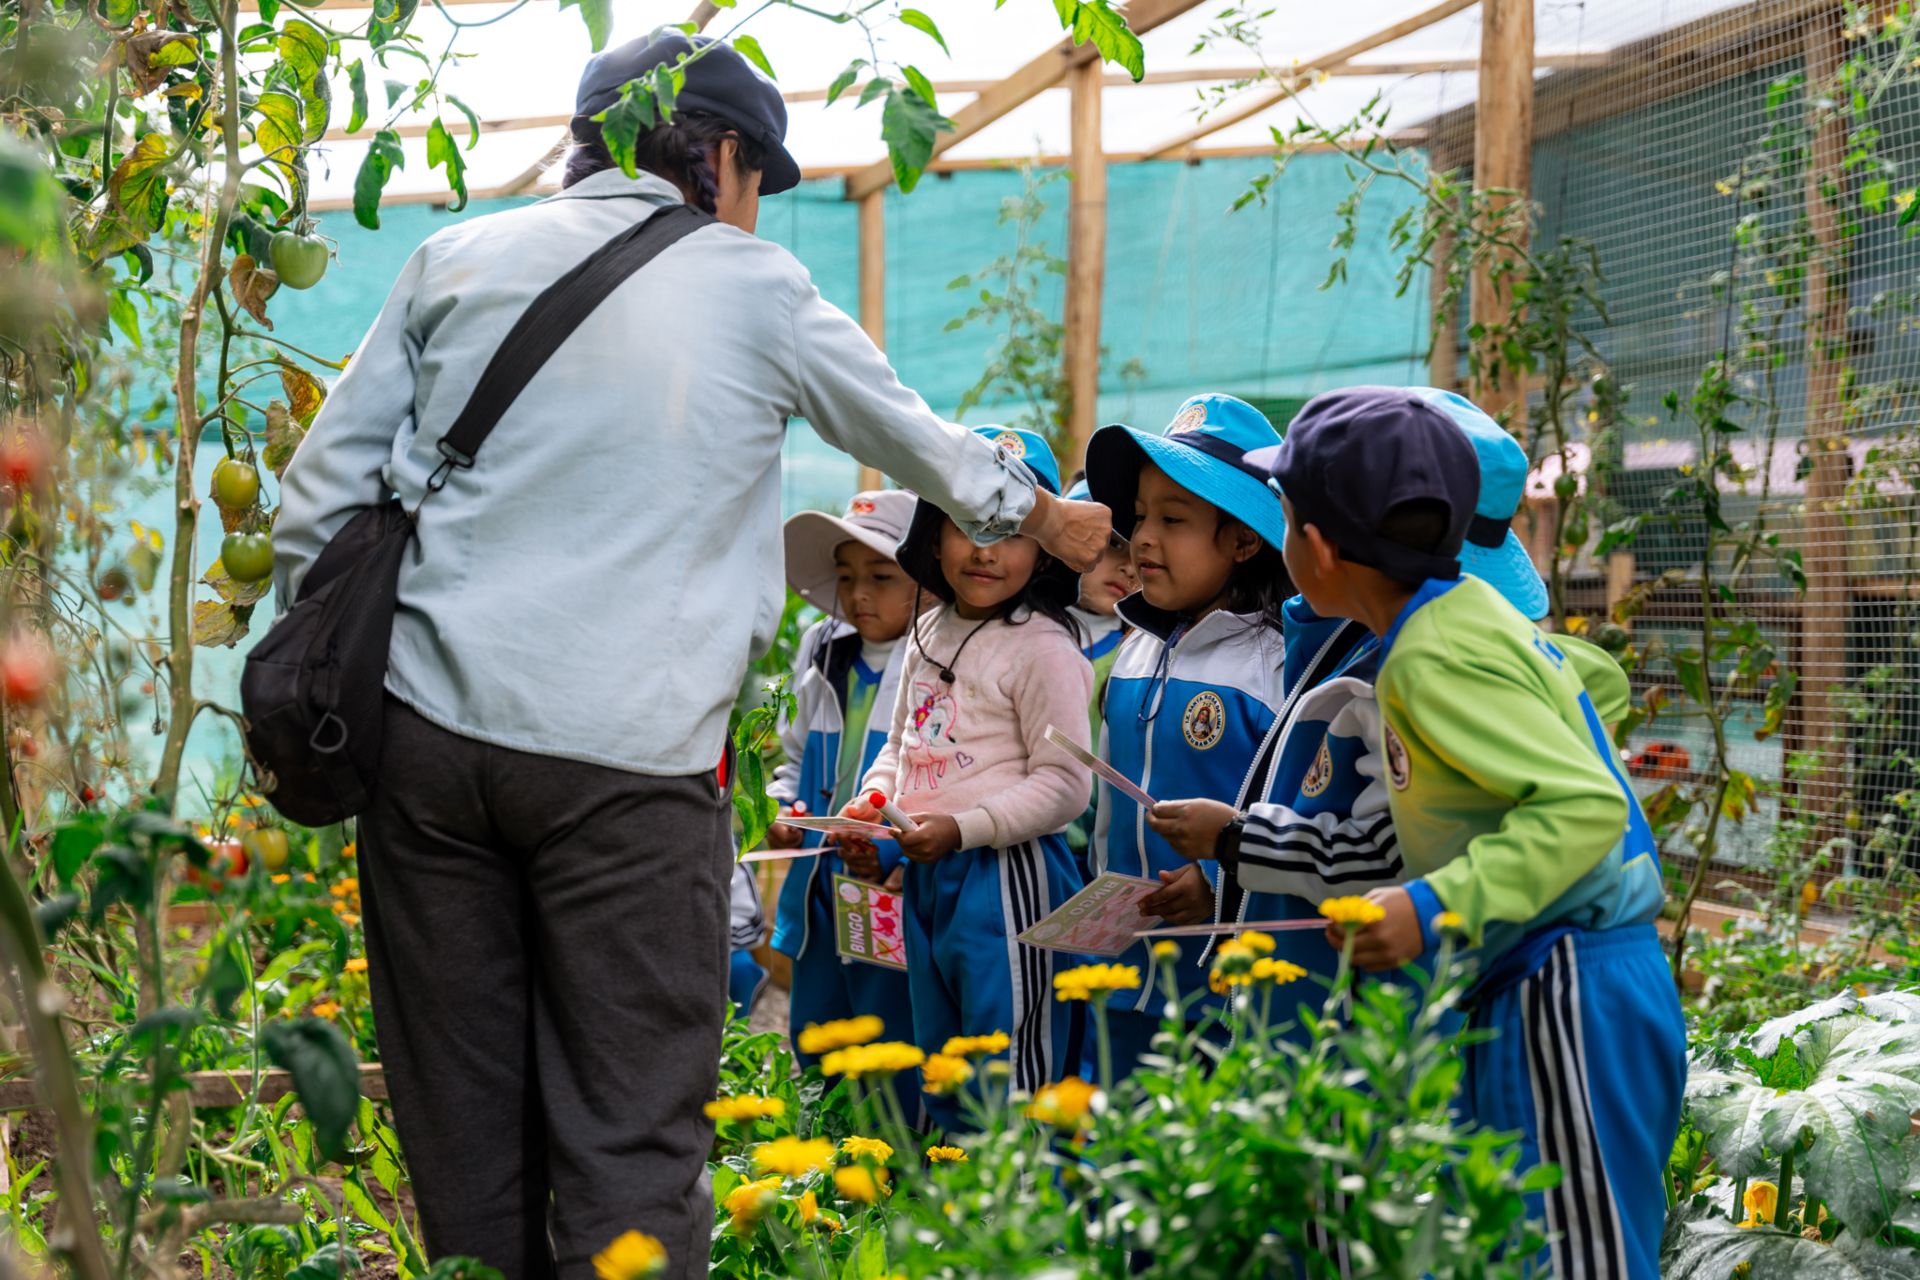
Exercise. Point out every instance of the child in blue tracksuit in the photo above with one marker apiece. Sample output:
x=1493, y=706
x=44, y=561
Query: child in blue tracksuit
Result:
x=1102, y=588
x=1507, y=802
x=1199, y=682
x=968, y=760
x=843, y=685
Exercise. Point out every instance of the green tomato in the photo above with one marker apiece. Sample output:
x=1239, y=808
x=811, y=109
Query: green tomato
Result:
x=298, y=260
x=236, y=485
x=247, y=557
x=268, y=845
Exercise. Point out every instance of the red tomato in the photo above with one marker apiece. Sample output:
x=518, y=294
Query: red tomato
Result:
x=23, y=459
x=27, y=669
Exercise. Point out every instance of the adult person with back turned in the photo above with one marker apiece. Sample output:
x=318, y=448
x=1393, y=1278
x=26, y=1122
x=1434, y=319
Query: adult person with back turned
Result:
x=546, y=857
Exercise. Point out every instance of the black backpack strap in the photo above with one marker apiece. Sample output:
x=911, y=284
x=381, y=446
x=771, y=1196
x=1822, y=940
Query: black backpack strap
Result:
x=550, y=320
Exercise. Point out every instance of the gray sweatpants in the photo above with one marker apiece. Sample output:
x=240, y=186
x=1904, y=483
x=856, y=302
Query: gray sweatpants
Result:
x=547, y=945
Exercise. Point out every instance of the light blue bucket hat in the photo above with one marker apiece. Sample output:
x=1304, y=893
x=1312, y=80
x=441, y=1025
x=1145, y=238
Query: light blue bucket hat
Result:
x=1493, y=551
x=1203, y=451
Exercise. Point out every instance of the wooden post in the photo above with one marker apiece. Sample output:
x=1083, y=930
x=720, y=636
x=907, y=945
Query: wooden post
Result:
x=873, y=290
x=1502, y=159
x=1086, y=260
x=1443, y=360
x=1823, y=618
x=1619, y=581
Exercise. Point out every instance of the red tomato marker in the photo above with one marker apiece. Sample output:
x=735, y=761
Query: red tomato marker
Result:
x=891, y=812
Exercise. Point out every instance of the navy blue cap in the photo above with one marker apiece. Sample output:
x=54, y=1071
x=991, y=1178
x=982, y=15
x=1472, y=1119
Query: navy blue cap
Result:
x=720, y=81
x=1351, y=456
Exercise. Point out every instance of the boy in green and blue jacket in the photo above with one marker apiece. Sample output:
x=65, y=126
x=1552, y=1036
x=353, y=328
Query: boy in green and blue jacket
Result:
x=1509, y=811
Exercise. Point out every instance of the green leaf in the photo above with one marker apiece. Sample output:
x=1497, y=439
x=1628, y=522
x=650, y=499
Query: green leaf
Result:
x=921, y=22
x=844, y=81
x=1874, y=195
x=382, y=158
x=75, y=842
x=473, y=121
x=330, y=1261
x=909, y=125
x=750, y=50
x=325, y=1074
x=260, y=1252
x=1713, y=1248
x=443, y=150
x=918, y=81
x=181, y=52
x=225, y=979
x=279, y=134
x=1729, y=1107
x=390, y=21
x=598, y=15
x=136, y=197
x=357, y=80
x=1097, y=20
x=304, y=48
x=878, y=87
x=1691, y=670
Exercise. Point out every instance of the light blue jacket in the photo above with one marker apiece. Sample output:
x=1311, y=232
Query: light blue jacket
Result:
x=595, y=586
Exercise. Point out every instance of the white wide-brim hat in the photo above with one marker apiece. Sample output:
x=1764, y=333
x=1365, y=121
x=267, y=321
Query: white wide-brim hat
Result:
x=877, y=518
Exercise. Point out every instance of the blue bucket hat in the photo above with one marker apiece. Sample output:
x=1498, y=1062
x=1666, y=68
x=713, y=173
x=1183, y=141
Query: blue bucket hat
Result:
x=1493, y=552
x=1203, y=451
x=1057, y=581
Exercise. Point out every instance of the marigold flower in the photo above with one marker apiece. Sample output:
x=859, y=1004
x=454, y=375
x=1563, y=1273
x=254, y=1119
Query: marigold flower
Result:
x=1261, y=944
x=1166, y=949
x=944, y=1073
x=1278, y=972
x=1090, y=980
x=745, y=1107
x=282, y=878
x=866, y=1148
x=859, y=1061
x=1449, y=922
x=976, y=1046
x=793, y=1157
x=858, y=1182
x=633, y=1256
x=825, y=1037
x=326, y=1009
x=1353, y=911
x=947, y=1155
x=1761, y=1201
x=350, y=850
x=349, y=919
x=751, y=1201
x=811, y=1216
x=357, y=965
x=1065, y=1105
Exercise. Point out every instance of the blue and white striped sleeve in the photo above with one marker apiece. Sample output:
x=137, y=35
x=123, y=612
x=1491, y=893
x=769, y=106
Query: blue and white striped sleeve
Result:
x=1323, y=855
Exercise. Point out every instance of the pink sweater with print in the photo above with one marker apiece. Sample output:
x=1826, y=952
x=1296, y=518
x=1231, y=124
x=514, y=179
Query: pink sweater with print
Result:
x=977, y=748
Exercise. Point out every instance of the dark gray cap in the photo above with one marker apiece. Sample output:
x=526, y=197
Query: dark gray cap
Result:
x=719, y=81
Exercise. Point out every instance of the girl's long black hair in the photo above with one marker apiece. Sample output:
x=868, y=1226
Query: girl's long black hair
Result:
x=1259, y=584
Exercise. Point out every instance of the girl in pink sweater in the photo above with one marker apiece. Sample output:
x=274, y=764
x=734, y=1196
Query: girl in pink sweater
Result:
x=967, y=759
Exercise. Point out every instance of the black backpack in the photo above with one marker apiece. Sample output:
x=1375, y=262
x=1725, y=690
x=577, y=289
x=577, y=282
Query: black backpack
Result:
x=314, y=687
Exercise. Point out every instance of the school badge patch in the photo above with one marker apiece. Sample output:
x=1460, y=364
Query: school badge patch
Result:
x=1012, y=443
x=1399, y=770
x=1319, y=773
x=860, y=507
x=1191, y=418
x=1205, y=720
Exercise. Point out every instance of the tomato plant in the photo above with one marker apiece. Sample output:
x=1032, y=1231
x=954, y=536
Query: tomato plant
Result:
x=299, y=258
x=236, y=485
x=248, y=557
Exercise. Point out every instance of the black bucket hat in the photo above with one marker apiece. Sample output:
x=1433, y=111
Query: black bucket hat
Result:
x=1055, y=581
x=719, y=81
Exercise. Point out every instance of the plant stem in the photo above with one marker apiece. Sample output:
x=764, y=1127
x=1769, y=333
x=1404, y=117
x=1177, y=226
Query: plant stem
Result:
x=1783, y=1208
x=1103, y=1041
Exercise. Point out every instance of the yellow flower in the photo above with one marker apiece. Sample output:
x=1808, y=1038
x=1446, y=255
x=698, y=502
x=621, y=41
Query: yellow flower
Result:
x=946, y=1155
x=751, y=1201
x=794, y=1157
x=350, y=851
x=326, y=1009
x=857, y=1182
x=1166, y=949
x=1277, y=972
x=944, y=1073
x=745, y=1107
x=282, y=878
x=1064, y=1105
x=1261, y=944
x=1449, y=922
x=1090, y=980
x=1809, y=894
x=632, y=1256
x=859, y=1061
x=864, y=1148
x=977, y=1046
x=1760, y=1202
x=359, y=965
x=810, y=1215
x=1352, y=911
x=847, y=1032
x=349, y=919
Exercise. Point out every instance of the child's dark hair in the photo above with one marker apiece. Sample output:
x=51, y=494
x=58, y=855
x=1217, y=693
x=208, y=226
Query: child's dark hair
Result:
x=681, y=151
x=1418, y=524
x=1260, y=583
x=1042, y=597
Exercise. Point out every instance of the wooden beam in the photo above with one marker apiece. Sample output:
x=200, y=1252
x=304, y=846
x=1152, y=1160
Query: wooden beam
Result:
x=207, y=1089
x=842, y=171
x=1502, y=159
x=1086, y=260
x=1823, y=551
x=1308, y=71
x=1443, y=357
x=1037, y=76
x=873, y=291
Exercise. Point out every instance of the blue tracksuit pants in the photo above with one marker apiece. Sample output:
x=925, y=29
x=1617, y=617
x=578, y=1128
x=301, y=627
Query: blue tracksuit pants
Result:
x=968, y=974
x=1588, y=1063
x=825, y=988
